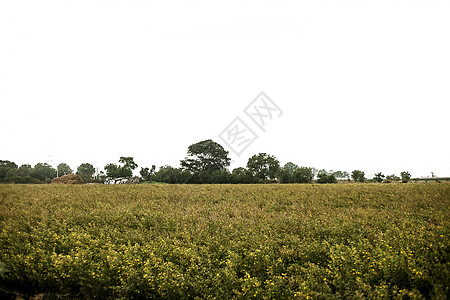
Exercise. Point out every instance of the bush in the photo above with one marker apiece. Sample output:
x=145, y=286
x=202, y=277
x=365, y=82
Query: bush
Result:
x=326, y=178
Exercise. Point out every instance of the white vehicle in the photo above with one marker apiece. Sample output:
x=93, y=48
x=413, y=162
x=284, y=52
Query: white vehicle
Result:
x=122, y=180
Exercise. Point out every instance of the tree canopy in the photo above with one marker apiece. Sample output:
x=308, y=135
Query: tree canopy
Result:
x=358, y=176
x=125, y=169
x=86, y=171
x=205, y=156
x=44, y=172
x=264, y=166
x=64, y=169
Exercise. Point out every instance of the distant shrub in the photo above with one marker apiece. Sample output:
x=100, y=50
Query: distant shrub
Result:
x=326, y=178
x=68, y=179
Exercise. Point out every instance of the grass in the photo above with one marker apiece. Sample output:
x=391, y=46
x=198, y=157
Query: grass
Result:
x=226, y=241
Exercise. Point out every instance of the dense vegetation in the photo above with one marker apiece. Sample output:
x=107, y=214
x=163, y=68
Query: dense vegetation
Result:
x=206, y=162
x=226, y=241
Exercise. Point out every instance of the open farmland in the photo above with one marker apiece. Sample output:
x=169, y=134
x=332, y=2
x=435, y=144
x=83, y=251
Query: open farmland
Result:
x=226, y=241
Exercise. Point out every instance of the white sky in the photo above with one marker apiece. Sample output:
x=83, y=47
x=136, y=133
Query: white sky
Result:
x=362, y=84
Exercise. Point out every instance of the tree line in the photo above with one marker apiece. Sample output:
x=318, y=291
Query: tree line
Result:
x=206, y=162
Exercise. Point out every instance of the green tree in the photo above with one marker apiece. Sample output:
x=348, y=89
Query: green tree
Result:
x=44, y=172
x=216, y=176
x=147, y=173
x=405, y=176
x=124, y=170
x=393, y=177
x=290, y=168
x=303, y=175
x=379, y=177
x=112, y=170
x=21, y=175
x=264, y=166
x=205, y=156
x=241, y=175
x=326, y=178
x=24, y=170
x=86, y=171
x=287, y=172
x=323, y=171
x=341, y=174
x=64, y=169
x=5, y=166
x=358, y=176
x=170, y=174
x=128, y=163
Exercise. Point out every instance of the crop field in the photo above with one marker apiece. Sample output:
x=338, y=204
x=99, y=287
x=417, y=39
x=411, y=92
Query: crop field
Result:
x=304, y=241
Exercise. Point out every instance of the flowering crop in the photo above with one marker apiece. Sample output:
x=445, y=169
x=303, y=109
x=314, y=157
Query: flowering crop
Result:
x=226, y=241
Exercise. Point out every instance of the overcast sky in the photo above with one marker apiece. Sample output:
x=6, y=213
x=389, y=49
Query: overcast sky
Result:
x=359, y=84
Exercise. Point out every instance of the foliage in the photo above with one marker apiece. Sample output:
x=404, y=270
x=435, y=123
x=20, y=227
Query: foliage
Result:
x=289, y=168
x=21, y=175
x=287, y=172
x=226, y=241
x=303, y=175
x=379, y=177
x=341, y=174
x=64, y=169
x=124, y=170
x=170, y=174
x=210, y=176
x=147, y=173
x=86, y=171
x=44, y=172
x=291, y=173
x=264, y=167
x=323, y=171
x=241, y=175
x=205, y=156
x=393, y=177
x=128, y=163
x=5, y=166
x=358, y=176
x=405, y=176
x=112, y=170
x=326, y=178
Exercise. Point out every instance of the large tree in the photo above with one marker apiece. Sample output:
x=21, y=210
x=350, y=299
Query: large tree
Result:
x=405, y=176
x=205, y=156
x=112, y=170
x=5, y=166
x=303, y=175
x=392, y=177
x=147, y=173
x=379, y=177
x=86, y=171
x=340, y=174
x=64, y=169
x=44, y=172
x=287, y=172
x=21, y=175
x=326, y=178
x=241, y=175
x=128, y=163
x=169, y=174
x=358, y=176
x=264, y=166
x=125, y=169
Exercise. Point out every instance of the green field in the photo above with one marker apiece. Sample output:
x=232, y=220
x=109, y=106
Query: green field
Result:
x=226, y=241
